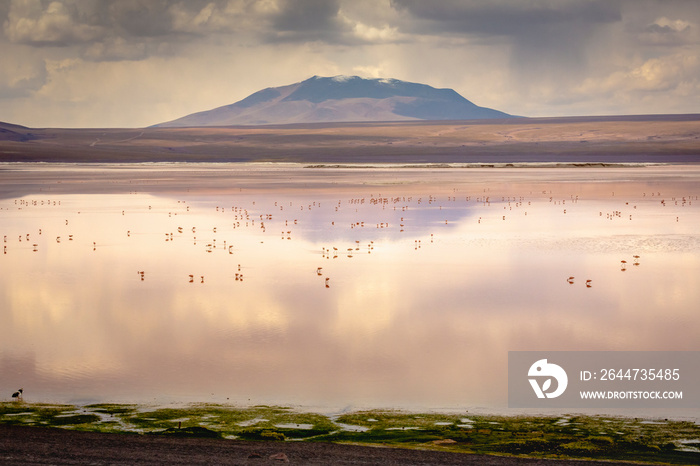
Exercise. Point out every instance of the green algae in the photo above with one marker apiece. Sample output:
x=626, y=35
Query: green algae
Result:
x=112, y=409
x=44, y=414
x=571, y=436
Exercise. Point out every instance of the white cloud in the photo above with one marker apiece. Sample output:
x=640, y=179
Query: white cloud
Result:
x=369, y=71
x=22, y=72
x=677, y=25
x=664, y=84
x=374, y=34
x=658, y=74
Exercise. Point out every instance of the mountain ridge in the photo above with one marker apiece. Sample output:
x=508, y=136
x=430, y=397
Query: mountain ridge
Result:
x=341, y=99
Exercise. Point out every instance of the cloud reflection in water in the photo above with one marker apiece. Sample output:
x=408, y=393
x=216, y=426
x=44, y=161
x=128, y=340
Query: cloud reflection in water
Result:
x=427, y=289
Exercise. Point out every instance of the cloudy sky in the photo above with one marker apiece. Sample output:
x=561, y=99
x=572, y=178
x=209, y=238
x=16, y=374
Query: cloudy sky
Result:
x=132, y=63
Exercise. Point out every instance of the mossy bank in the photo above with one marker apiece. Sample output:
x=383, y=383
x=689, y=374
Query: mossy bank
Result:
x=571, y=436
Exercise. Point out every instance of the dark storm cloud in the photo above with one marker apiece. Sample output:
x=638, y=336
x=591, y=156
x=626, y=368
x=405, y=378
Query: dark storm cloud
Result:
x=508, y=18
x=667, y=33
x=115, y=30
x=4, y=9
x=157, y=18
x=142, y=25
x=549, y=39
x=307, y=15
x=308, y=21
x=63, y=23
x=141, y=18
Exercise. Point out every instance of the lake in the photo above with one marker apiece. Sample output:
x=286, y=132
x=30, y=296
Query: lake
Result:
x=333, y=287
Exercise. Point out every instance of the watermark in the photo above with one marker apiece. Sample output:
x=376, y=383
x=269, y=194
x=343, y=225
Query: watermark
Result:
x=543, y=369
x=604, y=379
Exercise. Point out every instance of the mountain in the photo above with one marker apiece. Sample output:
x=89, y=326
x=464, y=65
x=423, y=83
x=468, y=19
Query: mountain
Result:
x=341, y=98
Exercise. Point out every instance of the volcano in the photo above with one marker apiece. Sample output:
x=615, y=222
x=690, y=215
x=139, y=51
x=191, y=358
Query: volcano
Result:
x=341, y=99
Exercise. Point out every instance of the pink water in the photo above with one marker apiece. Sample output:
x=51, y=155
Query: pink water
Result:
x=333, y=287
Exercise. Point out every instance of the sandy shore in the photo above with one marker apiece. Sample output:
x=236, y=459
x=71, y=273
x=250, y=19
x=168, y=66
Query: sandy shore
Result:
x=38, y=445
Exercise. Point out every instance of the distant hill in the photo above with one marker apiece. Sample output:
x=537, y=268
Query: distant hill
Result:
x=341, y=99
x=10, y=132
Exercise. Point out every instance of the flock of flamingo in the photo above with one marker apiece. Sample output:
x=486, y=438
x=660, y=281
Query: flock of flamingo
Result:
x=400, y=221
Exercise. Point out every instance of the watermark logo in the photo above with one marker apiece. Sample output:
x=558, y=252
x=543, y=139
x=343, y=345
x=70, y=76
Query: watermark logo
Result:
x=547, y=371
x=604, y=379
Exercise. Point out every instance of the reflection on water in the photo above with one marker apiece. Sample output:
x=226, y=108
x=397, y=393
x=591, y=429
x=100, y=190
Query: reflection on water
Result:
x=335, y=287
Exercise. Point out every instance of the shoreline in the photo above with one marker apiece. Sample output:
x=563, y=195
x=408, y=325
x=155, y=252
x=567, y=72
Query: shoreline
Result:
x=443, y=438
x=359, y=165
x=51, y=178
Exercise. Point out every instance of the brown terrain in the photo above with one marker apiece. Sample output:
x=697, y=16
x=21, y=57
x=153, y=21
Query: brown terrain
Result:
x=40, y=445
x=619, y=139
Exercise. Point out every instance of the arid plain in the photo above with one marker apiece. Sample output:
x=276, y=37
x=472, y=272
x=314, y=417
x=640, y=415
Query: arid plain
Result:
x=653, y=138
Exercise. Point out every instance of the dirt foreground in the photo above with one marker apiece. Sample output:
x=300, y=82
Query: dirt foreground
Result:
x=40, y=445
